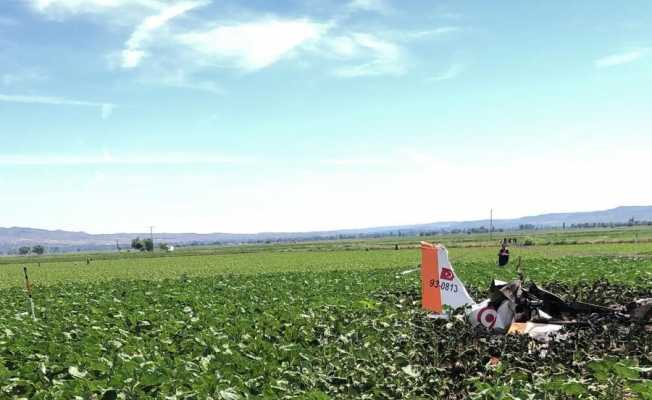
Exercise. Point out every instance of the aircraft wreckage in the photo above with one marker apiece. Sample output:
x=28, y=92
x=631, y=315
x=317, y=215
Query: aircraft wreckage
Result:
x=512, y=307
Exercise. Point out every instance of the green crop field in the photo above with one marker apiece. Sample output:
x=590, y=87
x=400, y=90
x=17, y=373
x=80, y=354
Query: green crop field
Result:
x=323, y=320
x=255, y=259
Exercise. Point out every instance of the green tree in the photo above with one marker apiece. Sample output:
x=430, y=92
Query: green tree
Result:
x=149, y=244
x=24, y=250
x=137, y=244
x=38, y=249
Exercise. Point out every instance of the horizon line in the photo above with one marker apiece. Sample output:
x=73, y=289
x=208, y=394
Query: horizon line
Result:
x=268, y=232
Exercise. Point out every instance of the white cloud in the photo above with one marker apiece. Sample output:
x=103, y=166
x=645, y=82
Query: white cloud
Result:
x=620, y=58
x=64, y=7
x=380, y=6
x=386, y=57
x=133, y=54
x=131, y=58
x=109, y=159
x=253, y=45
x=248, y=45
x=451, y=73
x=105, y=108
x=441, y=31
x=342, y=46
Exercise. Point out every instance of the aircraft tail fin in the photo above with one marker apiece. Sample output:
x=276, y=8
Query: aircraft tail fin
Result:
x=440, y=286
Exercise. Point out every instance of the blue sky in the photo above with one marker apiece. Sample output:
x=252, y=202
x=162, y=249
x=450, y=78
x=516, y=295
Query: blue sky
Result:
x=207, y=116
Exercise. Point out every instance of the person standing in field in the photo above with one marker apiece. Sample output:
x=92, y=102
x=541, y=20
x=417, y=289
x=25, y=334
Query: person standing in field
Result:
x=503, y=255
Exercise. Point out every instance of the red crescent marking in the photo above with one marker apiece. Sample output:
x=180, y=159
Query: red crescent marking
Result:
x=490, y=320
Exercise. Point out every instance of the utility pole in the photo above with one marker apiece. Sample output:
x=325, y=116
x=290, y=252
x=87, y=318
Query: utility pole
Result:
x=491, y=224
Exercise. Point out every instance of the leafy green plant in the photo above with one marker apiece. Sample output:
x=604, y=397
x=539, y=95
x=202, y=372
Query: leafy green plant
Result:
x=320, y=326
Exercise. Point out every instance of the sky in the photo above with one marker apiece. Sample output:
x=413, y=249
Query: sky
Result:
x=288, y=115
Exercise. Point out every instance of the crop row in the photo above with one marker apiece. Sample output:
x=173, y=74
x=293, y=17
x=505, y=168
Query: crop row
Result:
x=319, y=335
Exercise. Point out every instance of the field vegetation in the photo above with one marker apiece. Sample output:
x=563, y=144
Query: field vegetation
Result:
x=324, y=320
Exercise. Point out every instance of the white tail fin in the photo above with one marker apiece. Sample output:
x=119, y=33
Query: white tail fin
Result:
x=440, y=285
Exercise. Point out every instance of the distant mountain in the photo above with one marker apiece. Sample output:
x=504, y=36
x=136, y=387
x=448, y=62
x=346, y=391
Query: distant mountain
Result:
x=614, y=215
x=13, y=238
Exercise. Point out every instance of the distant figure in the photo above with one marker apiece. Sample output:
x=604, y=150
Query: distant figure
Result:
x=503, y=255
x=396, y=247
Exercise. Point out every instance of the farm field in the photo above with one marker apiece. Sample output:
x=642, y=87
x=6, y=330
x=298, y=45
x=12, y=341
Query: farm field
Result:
x=636, y=236
x=282, y=258
x=329, y=323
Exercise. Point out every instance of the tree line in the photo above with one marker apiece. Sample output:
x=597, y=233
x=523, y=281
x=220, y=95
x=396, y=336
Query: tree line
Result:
x=147, y=245
x=25, y=250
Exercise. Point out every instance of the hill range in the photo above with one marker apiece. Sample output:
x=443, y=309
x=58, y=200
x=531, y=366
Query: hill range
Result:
x=15, y=237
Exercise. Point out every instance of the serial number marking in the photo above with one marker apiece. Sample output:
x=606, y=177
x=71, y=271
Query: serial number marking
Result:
x=446, y=286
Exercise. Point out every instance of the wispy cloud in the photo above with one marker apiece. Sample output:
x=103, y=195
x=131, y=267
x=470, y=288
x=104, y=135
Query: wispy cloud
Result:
x=252, y=45
x=170, y=53
x=380, y=6
x=105, y=108
x=451, y=73
x=386, y=56
x=621, y=58
x=441, y=31
x=108, y=159
x=133, y=53
x=57, y=8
